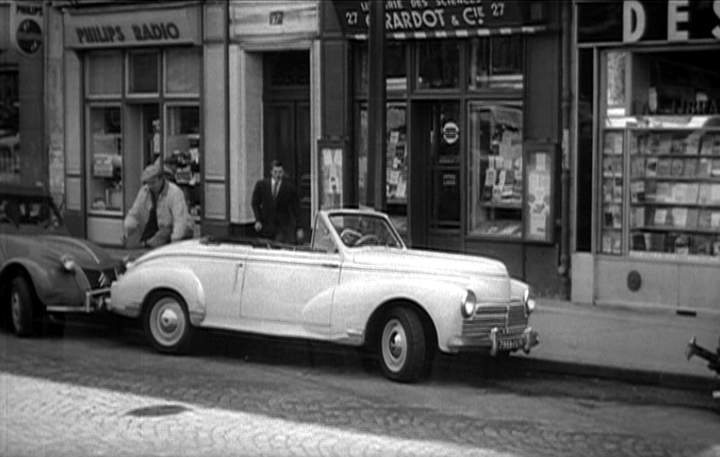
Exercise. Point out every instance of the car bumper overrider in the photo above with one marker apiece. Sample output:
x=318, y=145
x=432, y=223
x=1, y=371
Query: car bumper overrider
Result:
x=497, y=328
x=95, y=300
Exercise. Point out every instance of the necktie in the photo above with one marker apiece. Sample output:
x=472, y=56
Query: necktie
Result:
x=276, y=187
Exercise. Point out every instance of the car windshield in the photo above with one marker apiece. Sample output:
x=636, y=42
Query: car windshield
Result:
x=28, y=213
x=364, y=230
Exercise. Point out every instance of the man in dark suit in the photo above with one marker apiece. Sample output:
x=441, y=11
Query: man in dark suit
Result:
x=276, y=206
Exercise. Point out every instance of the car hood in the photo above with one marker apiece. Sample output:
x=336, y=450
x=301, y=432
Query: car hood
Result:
x=416, y=260
x=85, y=253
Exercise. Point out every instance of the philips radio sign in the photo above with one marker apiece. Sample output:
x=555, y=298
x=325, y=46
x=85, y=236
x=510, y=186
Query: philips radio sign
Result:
x=27, y=27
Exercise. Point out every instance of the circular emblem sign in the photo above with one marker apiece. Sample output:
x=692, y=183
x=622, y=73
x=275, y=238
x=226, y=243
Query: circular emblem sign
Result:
x=450, y=132
x=29, y=36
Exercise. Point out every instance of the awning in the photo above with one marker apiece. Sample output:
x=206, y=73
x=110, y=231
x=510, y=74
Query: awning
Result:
x=428, y=19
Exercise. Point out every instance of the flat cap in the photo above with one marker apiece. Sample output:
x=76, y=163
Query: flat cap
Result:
x=150, y=172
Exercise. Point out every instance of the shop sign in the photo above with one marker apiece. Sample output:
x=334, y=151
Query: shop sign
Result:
x=26, y=24
x=632, y=21
x=432, y=16
x=152, y=27
x=450, y=132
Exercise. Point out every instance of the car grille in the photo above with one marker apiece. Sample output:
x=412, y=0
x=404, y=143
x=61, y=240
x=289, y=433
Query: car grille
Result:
x=99, y=279
x=508, y=318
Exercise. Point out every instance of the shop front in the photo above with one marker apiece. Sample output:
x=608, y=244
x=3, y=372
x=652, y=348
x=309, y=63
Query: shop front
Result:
x=126, y=85
x=472, y=127
x=648, y=143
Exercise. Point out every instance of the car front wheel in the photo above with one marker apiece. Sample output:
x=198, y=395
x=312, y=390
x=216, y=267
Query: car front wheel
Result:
x=23, y=307
x=166, y=323
x=402, y=348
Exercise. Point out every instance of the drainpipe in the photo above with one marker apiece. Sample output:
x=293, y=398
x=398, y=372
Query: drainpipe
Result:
x=564, y=267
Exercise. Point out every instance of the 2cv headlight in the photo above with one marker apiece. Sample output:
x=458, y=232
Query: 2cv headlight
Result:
x=467, y=307
x=68, y=263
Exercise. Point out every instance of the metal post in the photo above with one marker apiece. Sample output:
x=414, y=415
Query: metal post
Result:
x=376, y=107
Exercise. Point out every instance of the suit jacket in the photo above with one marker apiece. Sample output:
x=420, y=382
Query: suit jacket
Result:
x=279, y=214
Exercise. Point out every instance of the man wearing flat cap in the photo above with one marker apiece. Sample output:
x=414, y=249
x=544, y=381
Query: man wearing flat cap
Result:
x=159, y=214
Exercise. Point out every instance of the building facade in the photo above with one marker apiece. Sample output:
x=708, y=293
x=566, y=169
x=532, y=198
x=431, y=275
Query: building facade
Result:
x=647, y=154
x=216, y=90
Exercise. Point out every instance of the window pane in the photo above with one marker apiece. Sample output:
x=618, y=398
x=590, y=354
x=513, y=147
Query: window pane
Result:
x=182, y=152
x=104, y=73
x=182, y=74
x=395, y=67
x=496, y=170
x=105, y=189
x=496, y=62
x=144, y=72
x=438, y=64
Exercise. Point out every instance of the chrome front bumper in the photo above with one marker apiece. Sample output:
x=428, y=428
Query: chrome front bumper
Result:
x=95, y=300
x=510, y=343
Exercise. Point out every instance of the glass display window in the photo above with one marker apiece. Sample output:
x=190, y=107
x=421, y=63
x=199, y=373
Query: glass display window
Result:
x=496, y=62
x=182, y=71
x=104, y=73
x=182, y=152
x=105, y=182
x=660, y=156
x=397, y=162
x=395, y=67
x=496, y=170
x=143, y=72
x=438, y=64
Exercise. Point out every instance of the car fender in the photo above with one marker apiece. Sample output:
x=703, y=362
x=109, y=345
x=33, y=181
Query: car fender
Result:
x=130, y=292
x=355, y=302
x=51, y=287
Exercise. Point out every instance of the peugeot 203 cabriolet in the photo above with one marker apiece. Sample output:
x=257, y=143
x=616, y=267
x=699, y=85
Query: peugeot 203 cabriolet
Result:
x=355, y=284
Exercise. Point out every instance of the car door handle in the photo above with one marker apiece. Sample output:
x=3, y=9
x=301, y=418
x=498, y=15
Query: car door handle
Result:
x=331, y=265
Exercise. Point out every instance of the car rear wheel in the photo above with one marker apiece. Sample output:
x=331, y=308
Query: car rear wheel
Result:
x=166, y=323
x=23, y=307
x=402, y=346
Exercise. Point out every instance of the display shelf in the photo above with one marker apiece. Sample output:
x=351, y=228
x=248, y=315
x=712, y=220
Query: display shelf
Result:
x=502, y=205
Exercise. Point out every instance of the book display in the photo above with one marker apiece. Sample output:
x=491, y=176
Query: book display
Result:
x=611, y=224
x=674, y=198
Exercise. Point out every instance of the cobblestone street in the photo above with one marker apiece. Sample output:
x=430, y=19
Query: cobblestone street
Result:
x=91, y=393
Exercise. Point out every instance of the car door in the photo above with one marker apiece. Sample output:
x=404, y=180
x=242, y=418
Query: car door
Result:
x=221, y=271
x=291, y=287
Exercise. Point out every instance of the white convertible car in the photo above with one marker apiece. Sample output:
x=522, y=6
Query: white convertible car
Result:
x=355, y=284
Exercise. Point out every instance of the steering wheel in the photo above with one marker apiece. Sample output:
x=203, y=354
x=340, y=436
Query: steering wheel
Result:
x=350, y=236
x=366, y=239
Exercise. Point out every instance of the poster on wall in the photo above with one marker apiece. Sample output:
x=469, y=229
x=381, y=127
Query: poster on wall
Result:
x=331, y=181
x=538, y=210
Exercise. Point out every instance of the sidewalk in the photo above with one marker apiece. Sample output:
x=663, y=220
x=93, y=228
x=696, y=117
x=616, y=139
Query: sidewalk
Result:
x=614, y=342
x=644, y=345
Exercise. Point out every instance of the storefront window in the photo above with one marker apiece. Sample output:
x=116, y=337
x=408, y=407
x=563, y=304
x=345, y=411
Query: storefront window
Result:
x=397, y=171
x=105, y=183
x=104, y=73
x=496, y=62
x=669, y=140
x=143, y=72
x=9, y=123
x=438, y=64
x=395, y=67
x=496, y=170
x=182, y=71
x=182, y=152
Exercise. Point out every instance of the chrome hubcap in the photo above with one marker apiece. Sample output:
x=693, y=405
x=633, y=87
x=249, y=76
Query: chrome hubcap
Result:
x=394, y=345
x=167, y=321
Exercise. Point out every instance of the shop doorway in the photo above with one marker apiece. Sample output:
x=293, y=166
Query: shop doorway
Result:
x=435, y=202
x=286, y=121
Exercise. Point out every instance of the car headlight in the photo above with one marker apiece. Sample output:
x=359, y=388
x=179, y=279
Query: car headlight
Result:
x=528, y=302
x=467, y=307
x=68, y=263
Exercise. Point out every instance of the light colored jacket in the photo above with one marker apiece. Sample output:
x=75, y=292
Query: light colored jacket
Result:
x=173, y=219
